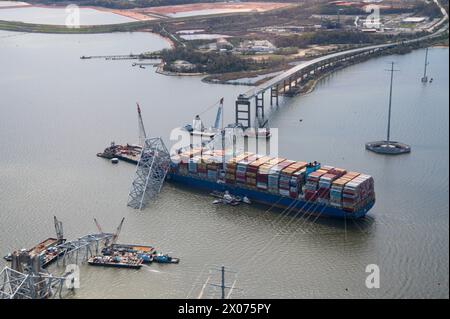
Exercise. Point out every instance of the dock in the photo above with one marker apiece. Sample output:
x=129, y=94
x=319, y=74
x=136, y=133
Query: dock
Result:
x=141, y=56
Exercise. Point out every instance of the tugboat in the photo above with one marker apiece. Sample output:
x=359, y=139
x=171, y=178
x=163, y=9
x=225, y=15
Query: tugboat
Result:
x=165, y=259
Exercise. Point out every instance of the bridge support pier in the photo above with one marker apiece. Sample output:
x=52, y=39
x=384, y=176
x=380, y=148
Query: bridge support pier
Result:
x=243, y=112
x=274, y=94
x=259, y=102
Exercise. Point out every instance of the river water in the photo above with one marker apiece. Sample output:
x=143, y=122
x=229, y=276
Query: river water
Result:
x=57, y=112
x=59, y=16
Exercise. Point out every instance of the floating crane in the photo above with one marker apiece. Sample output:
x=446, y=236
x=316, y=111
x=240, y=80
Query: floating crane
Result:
x=142, y=134
x=59, y=230
x=98, y=226
x=114, y=236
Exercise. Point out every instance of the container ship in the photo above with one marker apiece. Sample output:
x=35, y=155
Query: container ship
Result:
x=296, y=186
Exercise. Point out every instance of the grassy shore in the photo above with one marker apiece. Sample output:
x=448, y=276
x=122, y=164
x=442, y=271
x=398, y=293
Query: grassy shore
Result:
x=107, y=28
x=47, y=28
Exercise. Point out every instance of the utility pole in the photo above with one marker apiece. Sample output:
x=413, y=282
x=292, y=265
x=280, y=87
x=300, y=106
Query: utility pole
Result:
x=390, y=104
x=425, y=77
x=392, y=70
x=223, y=287
x=223, y=282
x=388, y=146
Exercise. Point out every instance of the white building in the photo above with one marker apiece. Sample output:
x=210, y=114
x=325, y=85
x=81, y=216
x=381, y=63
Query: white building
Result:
x=258, y=46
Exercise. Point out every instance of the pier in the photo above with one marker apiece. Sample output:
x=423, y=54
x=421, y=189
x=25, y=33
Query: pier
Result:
x=142, y=56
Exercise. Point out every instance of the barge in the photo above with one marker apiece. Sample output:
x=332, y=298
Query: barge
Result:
x=145, y=253
x=128, y=153
x=116, y=261
x=47, y=250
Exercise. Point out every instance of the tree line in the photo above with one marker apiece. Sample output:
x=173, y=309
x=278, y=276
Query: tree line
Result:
x=209, y=62
x=335, y=37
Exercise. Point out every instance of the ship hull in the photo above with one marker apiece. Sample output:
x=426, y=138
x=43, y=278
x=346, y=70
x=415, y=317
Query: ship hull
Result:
x=270, y=199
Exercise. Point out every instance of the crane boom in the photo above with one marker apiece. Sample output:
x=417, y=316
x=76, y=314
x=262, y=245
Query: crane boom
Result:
x=58, y=229
x=142, y=134
x=116, y=234
x=98, y=226
x=219, y=114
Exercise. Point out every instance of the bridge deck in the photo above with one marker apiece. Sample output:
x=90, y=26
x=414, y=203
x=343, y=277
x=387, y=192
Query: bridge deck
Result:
x=289, y=73
x=285, y=75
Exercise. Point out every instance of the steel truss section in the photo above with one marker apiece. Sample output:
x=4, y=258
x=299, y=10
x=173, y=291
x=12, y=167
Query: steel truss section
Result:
x=17, y=285
x=150, y=173
x=82, y=248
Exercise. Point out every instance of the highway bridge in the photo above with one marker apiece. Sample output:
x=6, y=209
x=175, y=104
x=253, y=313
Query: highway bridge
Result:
x=291, y=81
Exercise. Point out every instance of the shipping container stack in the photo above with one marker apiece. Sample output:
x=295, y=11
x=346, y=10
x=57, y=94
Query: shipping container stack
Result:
x=252, y=171
x=230, y=174
x=325, y=183
x=193, y=163
x=202, y=166
x=182, y=160
x=241, y=169
x=286, y=176
x=311, y=187
x=358, y=193
x=296, y=183
x=262, y=177
x=213, y=161
x=337, y=188
x=274, y=176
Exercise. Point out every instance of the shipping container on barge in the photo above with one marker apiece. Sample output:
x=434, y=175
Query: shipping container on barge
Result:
x=145, y=253
x=310, y=188
x=116, y=261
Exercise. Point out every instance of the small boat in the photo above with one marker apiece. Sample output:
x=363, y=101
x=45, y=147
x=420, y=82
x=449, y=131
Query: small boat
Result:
x=226, y=198
x=222, y=201
x=116, y=261
x=165, y=259
x=114, y=160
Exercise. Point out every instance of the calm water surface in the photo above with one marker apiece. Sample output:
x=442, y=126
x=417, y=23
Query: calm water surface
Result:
x=58, y=16
x=57, y=112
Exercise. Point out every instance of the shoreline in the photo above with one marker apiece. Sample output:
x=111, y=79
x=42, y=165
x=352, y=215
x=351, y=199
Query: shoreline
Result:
x=160, y=70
